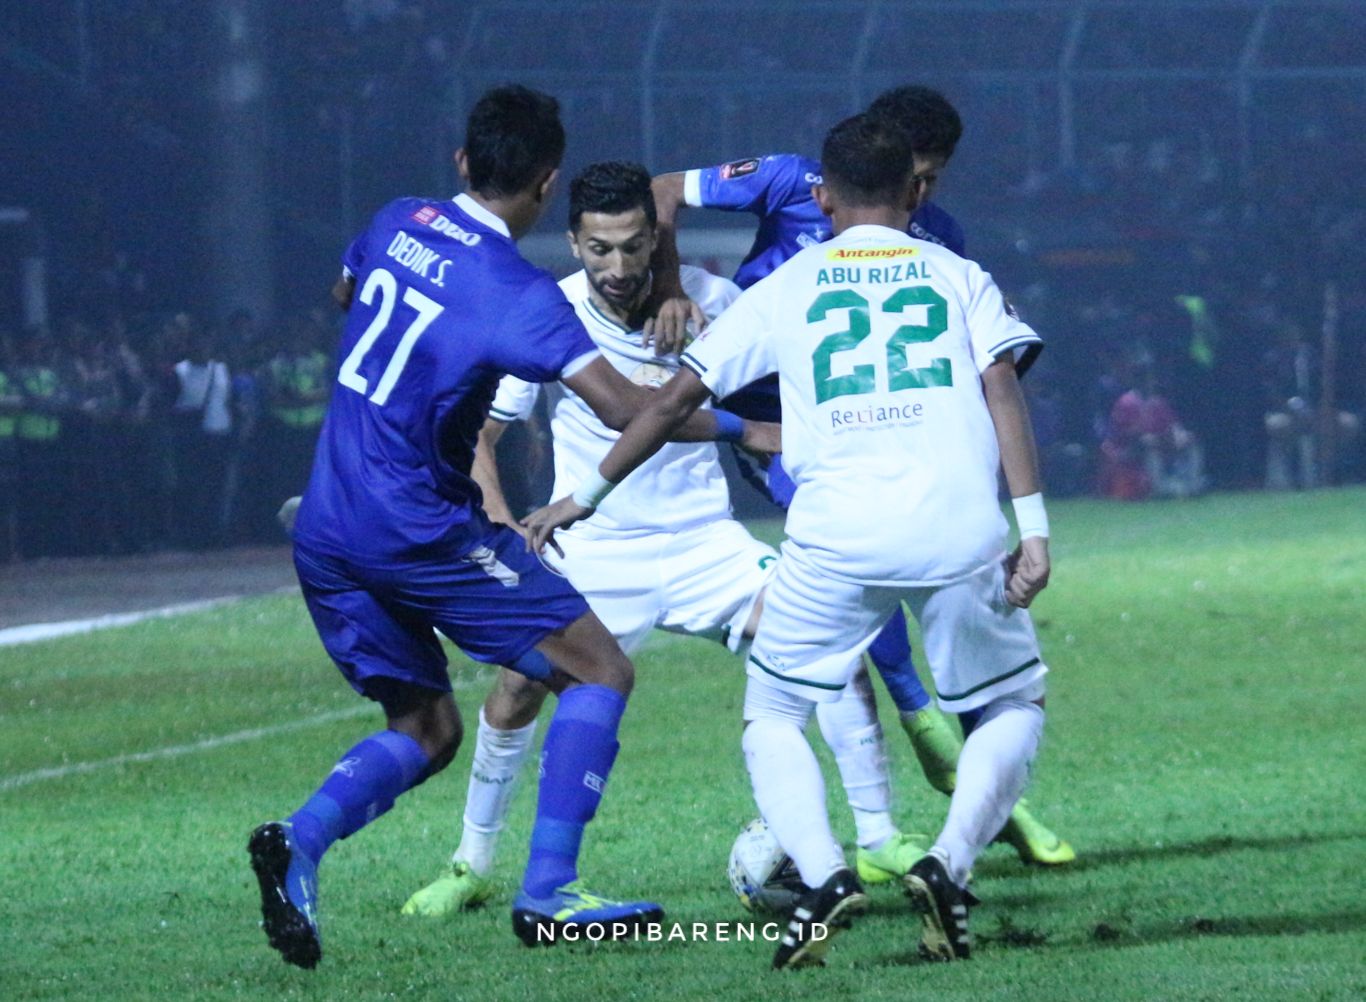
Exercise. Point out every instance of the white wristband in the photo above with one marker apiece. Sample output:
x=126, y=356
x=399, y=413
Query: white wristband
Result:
x=591, y=492
x=1030, y=516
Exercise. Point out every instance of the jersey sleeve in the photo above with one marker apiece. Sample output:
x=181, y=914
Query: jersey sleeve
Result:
x=354, y=257
x=542, y=339
x=755, y=184
x=358, y=251
x=992, y=326
x=737, y=348
x=711, y=293
x=514, y=400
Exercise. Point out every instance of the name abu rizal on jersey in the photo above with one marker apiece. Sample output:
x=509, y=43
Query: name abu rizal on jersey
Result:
x=777, y=188
x=879, y=339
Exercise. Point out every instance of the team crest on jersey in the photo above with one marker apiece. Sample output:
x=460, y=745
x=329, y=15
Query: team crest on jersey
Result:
x=651, y=375
x=739, y=168
x=869, y=253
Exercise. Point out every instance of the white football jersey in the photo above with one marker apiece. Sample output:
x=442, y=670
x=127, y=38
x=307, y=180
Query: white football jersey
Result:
x=683, y=484
x=878, y=340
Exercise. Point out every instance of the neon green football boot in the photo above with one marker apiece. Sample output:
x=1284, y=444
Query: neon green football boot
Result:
x=936, y=744
x=892, y=860
x=457, y=890
x=1034, y=841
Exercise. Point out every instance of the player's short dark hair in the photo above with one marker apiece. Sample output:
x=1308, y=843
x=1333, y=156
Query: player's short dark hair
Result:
x=926, y=115
x=612, y=187
x=513, y=136
x=867, y=160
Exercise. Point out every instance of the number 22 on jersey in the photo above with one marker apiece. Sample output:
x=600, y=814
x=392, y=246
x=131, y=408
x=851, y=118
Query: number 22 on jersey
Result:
x=863, y=378
x=383, y=284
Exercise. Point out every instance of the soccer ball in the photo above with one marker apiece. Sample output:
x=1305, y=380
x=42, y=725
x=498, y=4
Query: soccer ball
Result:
x=762, y=876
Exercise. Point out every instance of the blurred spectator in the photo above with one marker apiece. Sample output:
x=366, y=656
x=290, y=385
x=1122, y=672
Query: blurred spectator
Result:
x=11, y=403
x=1147, y=451
x=202, y=443
x=41, y=497
x=1295, y=428
x=298, y=382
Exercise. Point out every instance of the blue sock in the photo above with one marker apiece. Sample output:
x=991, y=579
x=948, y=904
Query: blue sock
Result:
x=891, y=654
x=363, y=785
x=580, y=746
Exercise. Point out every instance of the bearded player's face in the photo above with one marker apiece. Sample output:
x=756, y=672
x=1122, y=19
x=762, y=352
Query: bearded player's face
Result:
x=615, y=250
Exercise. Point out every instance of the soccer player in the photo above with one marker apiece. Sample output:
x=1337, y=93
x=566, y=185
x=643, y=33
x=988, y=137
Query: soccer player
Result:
x=663, y=552
x=901, y=405
x=778, y=189
x=391, y=544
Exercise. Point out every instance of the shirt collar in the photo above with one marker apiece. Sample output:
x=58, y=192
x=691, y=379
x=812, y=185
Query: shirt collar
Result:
x=477, y=212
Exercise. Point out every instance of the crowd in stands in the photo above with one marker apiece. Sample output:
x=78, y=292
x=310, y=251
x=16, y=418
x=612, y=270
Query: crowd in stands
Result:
x=1178, y=273
x=130, y=437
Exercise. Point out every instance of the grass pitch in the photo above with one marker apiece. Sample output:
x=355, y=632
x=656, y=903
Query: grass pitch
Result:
x=1204, y=754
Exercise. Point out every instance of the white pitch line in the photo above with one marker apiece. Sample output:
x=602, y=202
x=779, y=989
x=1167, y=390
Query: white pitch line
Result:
x=34, y=632
x=175, y=751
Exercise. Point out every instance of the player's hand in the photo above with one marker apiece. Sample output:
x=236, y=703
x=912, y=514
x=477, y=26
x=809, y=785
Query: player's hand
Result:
x=1027, y=571
x=518, y=528
x=762, y=438
x=676, y=319
x=541, y=524
x=289, y=511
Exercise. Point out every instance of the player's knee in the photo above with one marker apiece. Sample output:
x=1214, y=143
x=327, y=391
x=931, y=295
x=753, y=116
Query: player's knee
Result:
x=428, y=717
x=441, y=740
x=617, y=672
x=514, y=702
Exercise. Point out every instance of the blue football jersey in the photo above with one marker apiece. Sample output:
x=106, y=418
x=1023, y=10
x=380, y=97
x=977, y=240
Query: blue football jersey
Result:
x=444, y=307
x=777, y=189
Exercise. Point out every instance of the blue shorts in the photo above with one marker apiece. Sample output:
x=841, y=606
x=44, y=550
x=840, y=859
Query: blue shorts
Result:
x=495, y=602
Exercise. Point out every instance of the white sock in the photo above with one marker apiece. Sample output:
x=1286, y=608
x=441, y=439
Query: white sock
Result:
x=498, y=758
x=789, y=790
x=851, y=729
x=992, y=772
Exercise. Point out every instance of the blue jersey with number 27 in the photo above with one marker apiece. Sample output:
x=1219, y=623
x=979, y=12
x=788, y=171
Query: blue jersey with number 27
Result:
x=444, y=307
x=777, y=188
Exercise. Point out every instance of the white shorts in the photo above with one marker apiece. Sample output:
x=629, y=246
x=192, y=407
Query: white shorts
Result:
x=702, y=581
x=815, y=628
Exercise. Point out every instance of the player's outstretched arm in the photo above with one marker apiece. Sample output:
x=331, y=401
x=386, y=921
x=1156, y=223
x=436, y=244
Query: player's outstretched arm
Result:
x=1028, y=567
x=616, y=400
x=671, y=309
x=484, y=472
x=661, y=419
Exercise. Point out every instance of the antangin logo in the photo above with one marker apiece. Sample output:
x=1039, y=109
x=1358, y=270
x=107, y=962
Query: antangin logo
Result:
x=593, y=781
x=869, y=253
